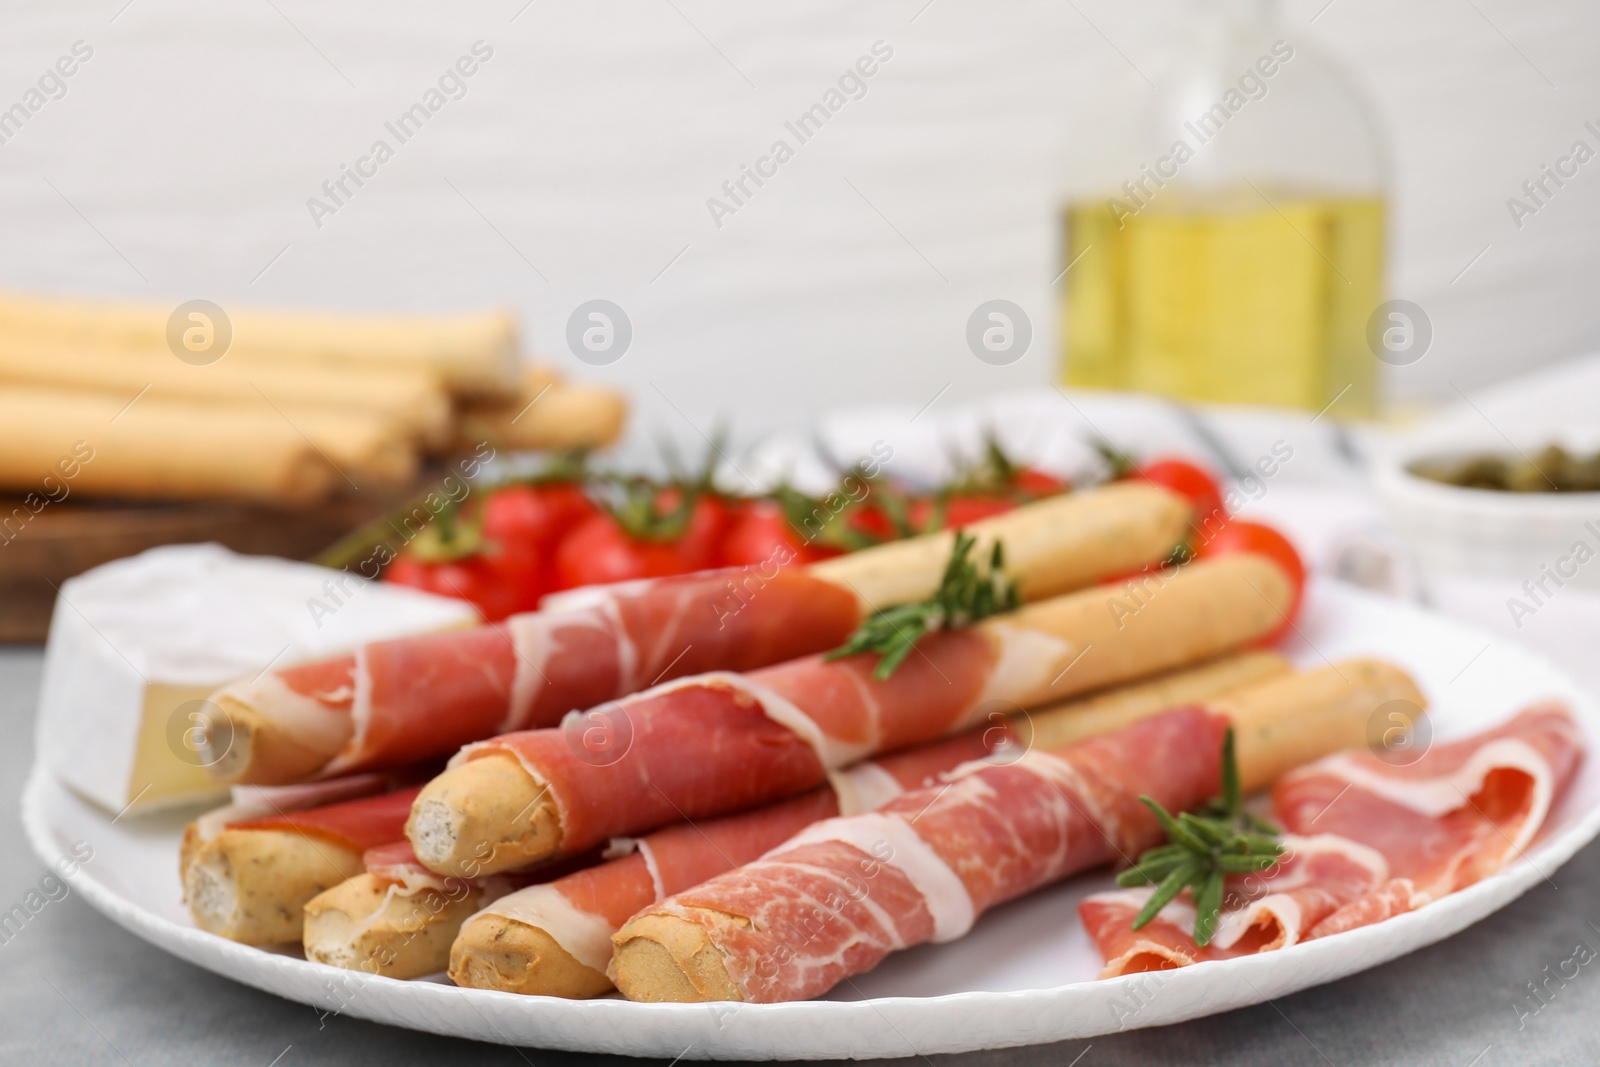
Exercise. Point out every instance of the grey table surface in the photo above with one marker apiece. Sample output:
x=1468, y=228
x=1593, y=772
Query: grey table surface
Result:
x=77, y=989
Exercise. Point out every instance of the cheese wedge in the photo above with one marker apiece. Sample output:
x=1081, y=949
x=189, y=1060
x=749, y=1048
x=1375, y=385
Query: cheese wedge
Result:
x=136, y=646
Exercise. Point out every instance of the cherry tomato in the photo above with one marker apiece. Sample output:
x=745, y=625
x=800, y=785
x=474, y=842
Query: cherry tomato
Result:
x=499, y=583
x=498, y=558
x=599, y=550
x=959, y=510
x=1193, y=484
x=530, y=520
x=702, y=534
x=1034, y=483
x=760, y=531
x=537, y=515
x=871, y=522
x=1242, y=536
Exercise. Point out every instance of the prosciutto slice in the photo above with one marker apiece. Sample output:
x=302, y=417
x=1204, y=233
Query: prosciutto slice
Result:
x=1261, y=912
x=396, y=865
x=254, y=801
x=841, y=895
x=395, y=702
x=356, y=824
x=1368, y=840
x=393, y=862
x=723, y=742
x=582, y=910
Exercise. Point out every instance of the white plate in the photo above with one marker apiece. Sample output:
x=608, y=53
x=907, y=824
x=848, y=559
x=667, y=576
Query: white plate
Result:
x=1026, y=973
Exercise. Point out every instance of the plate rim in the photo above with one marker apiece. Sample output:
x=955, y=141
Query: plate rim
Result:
x=860, y=1028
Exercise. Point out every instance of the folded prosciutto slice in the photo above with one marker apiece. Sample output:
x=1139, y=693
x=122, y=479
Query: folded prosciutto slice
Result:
x=1367, y=840
x=399, y=701
x=841, y=895
x=555, y=939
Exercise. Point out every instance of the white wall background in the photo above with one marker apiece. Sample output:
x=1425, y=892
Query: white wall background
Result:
x=179, y=162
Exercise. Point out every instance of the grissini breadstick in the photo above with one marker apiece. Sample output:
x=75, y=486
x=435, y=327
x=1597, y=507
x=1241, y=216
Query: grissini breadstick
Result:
x=249, y=881
x=530, y=942
x=1334, y=707
x=1111, y=709
x=412, y=398
x=623, y=769
x=474, y=354
x=398, y=701
x=555, y=939
x=1269, y=742
x=368, y=449
x=397, y=919
x=368, y=923
x=1052, y=546
x=548, y=413
x=841, y=895
x=142, y=448
x=364, y=447
x=252, y=802
x=282, y=870
x=1281, y=719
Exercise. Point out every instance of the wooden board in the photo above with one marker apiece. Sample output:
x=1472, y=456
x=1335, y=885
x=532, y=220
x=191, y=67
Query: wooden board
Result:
x=66, y=539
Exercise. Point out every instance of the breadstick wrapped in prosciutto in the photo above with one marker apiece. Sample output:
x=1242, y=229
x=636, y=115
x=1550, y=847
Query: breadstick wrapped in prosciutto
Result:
x=394, y=702
x=1370, y=836
x=388, y=921
x=397, y=919
x=248, y=879
x=555, y=939
x=722, y=742
x=838, y=897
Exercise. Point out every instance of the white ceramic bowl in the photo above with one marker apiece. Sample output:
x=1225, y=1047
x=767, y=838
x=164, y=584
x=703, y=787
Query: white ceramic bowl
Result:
x=1545, y=539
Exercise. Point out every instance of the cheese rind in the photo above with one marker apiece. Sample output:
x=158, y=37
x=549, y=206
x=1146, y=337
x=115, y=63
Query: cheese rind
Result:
x=137, y=646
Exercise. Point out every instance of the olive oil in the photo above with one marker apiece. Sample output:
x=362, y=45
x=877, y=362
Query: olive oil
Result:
x=1255, y=296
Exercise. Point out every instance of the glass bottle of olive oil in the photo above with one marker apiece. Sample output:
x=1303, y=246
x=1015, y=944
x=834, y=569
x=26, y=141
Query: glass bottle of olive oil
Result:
x=1242, y=259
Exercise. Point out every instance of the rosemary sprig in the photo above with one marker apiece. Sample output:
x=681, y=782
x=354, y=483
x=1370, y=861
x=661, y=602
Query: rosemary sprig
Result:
x=993, y=472
x=1203, y=848
x=966, y=593
x=636, y=504
x=1120, y=463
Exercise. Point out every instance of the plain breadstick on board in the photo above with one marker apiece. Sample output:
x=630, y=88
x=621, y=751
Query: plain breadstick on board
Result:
x=547, y=413
x=474, y=354
x=156, y=449
x=412, y=398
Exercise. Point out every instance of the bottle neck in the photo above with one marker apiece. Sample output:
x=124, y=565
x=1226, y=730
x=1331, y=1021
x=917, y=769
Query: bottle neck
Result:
x=1252, y=105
